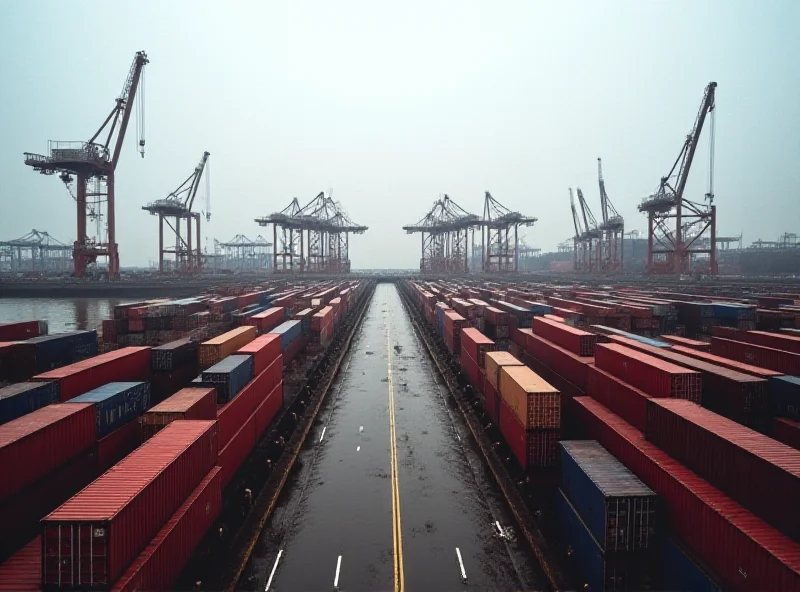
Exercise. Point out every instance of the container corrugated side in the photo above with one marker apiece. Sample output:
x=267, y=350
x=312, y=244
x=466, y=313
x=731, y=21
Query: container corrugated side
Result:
x=22, y=398
x=575, y=340
x=757, y=355
x=94, y=537
x=536, y=403
x=23, y=571
x=117, y=445
x=680, y=572
x=35, y=444
x=188, y=403
x=268, y=410
x=744, y=550
x=616, y=506
x=558, y=359
x=237, y=449
x=623, y=399
x=264, y=350
x=160, y=564
x=726, y=362
x=235, y=413
x=532, y=448
x=758, y=472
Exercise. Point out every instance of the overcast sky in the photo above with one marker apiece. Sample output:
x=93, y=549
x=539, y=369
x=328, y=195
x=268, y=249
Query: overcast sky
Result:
x=392, y=104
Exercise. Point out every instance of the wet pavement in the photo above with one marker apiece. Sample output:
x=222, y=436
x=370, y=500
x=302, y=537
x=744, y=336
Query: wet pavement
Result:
x=391, y=493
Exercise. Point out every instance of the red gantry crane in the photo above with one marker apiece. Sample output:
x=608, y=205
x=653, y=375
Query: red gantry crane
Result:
x=673, y=246
x=94, y=163
x=178, y=206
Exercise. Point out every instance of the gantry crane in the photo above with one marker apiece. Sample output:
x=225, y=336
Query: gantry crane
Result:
x=612, y=229
x=499, y=253
x=588, y=257
x=675, y=252
x=96, y=162
x=178, y=206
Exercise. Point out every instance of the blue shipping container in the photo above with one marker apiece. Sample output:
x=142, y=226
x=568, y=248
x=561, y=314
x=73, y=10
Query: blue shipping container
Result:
x=618, y=508
x=734, y=312
x=116, y=403
x=61, y=349
x=645, y=340
x=785, y=394
x=289, y=331
x=22, y=398
x=679, y=572
x=601, y=573
x=229, y=376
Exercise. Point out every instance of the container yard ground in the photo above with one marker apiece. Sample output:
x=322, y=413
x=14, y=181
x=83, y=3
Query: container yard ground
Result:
x=341, y=502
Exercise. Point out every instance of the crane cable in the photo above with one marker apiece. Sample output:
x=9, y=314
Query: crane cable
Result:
x=140, y=115
x=712, y=143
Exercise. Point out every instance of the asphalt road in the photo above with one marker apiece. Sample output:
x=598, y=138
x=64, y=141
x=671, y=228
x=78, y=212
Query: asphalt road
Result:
x=391, y=494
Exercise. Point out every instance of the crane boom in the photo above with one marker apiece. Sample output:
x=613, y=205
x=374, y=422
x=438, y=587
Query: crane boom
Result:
x=693, y=138
x=575, y=219
x=605, y=202
x=198, y=173
x=126, y=99
x=587, y=213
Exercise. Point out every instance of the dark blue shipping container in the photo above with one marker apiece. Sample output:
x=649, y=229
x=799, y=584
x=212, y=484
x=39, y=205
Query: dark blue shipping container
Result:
x=646, y=340
x=734, y=312
x=602, y=573
x=289, y=331
x=116, y=403
x=679, y=572
x=785, y=394
x=229, y=376
x=54, y=351
x=20, y=399
x=618, y=508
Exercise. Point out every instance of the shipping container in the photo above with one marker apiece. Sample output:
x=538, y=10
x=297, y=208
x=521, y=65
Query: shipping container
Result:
x=726, y=362
x=237, y=450
x=229, y=376
x=491, y=401
x=745, y=551
x=21, y=398
x=476, y=344
x=268, y=410
x=269, y=319
x=47, y=352
x=620, y=397
x=560, y=360
x=757, y=355
x=126, y=364
x=33, y=445
x=188, y=403
x=787, y=431
x=23, y=571
x=289, y=332
x=117, y=445
x=115, y=404
x=678, y=571
x=92, y=539
x=532, y=448
x=599, y=572
x=264, y=350
x=652, y=375
x=618, y=509
x=703, y=346
x=171, y=356
x=494, y=362
x=215, y=350
x=236, y=412
x=722, y=452
x=785, y=396
x=17, y=330
x=579, y=342
x=536, y=403
x=160, y=564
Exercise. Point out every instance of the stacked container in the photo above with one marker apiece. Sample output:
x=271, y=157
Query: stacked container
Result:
x=215, y=350
x=115, y=404
x=188, y=403
x=491, y=388
x=40, y=354
x=229, y=376
x=21, y=398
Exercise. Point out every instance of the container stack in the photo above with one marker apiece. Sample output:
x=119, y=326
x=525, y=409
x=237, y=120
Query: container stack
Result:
x=474, y=347
x=496, y=326
x=47, y=352
x=322, y=327
x=187, y=403
x=213, y=351
x=451, y=330
x=292, y=339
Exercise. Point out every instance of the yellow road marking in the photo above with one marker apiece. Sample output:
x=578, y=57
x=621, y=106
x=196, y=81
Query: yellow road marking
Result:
x=399, y=572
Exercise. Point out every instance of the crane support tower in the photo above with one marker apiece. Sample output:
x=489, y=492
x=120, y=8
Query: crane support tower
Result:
x=174, y=209
x=612, y=229
x=681, y=234
x=587, y=239
x=93, y=164
x=444, y=232
x=500, y=254
x=314, y=238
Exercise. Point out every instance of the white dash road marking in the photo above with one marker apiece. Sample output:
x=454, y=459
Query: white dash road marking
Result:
x=323, y=433
x=461, y=565
x=358, y=448
x=336, y=579
x=274, y=568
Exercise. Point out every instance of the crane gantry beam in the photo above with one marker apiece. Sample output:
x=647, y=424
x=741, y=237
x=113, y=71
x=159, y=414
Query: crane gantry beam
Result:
x=500, y=250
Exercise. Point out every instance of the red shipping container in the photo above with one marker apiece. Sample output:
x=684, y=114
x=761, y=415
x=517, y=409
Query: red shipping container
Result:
x=787, y=431
x=20, y=330
x=781, y=341
x=623, y=399
x=161, y=562
x=237, y=450
x=558, y=359
x=476, y=345
x=726, y=363
x=118, y=444
x=267, y=320
x=744, y=550
x=268, y=410
x=321, y=319
x=532, y=448
x=188, y=403
x=232, y=415
x=470, y=367
x=758, y=355
x=580, y=343
x=703, y=346
x=33, y=445
x=655, y=377
x=758, y=472
x=294, y=349
x=129, y=364
x=564, y=386
x=264, y=349
x=491, y=402
x=23, y=571
x=94, y=537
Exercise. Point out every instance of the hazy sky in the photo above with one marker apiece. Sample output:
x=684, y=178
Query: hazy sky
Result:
x=391, y=104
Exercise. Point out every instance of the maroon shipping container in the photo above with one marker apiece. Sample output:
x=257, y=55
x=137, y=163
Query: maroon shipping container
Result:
x=268, y=410
x=623, y=399
x=743, y=549
x=470, y=368
x=560, y=360
x=758, y=355
x=118, y=444
x=491, y=402
x=787, y=431
x=294, y=349
x=782, y=341
x=476, y=345
x=160, y=564
x=129, y=364
x=322, y=319
x=564, y=386
x=726, y=362
x=188, y=403
x=532, y=448
x=264, y=349
x=23, y=571
x=655, y=377
x=234, y=414
x=33, y=445
x=267, y=320
x=236, y=451
x=703, y=346
x=495, y=316
x=93, y=538
x=758, y=472
x=580, y=343
x=20, y=330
